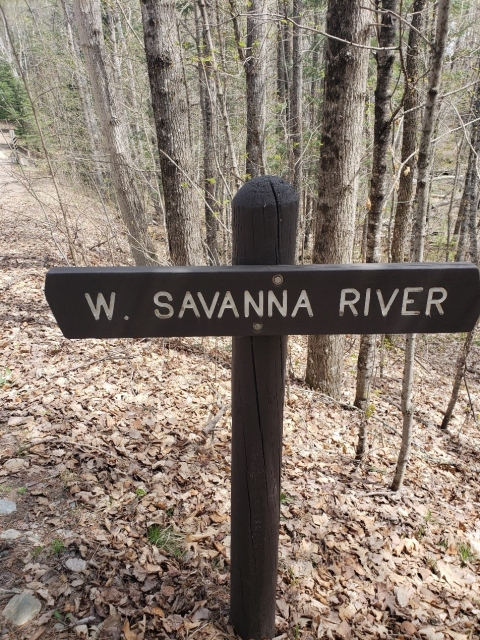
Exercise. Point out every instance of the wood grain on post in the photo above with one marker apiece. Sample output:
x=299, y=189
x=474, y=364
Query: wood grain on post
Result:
x=265, y=212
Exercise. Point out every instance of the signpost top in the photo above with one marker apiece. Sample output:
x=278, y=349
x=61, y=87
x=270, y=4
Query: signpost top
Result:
x=114, y=302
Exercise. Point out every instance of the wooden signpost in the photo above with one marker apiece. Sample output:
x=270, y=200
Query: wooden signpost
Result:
x=259, y=301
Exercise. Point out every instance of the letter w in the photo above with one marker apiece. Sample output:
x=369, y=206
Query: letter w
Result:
x=101, y=303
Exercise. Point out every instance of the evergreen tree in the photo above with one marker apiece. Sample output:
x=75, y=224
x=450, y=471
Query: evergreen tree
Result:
x=13, y=99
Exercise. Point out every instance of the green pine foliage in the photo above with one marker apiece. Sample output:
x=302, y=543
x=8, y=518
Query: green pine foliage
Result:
x=14, y=105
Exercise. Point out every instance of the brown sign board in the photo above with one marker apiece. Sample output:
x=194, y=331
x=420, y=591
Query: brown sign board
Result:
x=135, y=302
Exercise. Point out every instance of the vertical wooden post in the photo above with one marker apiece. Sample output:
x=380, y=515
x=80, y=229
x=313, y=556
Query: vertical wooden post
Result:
x=264, y=222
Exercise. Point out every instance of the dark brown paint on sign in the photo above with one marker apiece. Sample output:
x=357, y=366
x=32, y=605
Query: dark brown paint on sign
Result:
x=134, y=302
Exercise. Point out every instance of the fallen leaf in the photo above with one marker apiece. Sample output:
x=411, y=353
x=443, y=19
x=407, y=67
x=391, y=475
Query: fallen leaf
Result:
x=344, y=630
x=129, y=635
x=403, y=596
x=408, y=628
x=450, y=573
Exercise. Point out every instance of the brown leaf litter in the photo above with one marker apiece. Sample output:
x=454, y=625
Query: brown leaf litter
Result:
x=104, y=443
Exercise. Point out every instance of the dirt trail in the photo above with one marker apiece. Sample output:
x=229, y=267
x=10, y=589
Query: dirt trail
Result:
x=121, y=487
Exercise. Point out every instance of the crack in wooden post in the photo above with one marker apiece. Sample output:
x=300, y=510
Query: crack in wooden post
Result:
x=264, y=221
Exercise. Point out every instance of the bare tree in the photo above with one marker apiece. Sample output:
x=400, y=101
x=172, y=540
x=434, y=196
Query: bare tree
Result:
x=467, y=214
x=382, y=128
x=419, y=229
x=256, y=75
x=21, y=71
x=208, y=105
x=343, y=107
x=221, y=97
x=411, y=64
x=468, y=217
x=88, y=19
x=295, y=120
x=91, y=126
x=171, y=121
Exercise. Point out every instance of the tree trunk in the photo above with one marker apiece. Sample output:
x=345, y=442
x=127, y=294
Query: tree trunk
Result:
x=296, y=101
x=343, y=109
x=207, y=103
x=114, y=128
x=469, y=205
x=467, y=214
x=419, y=229
x=171, y=122
x=452, y=197
x=409, y=137
x=256, y=74
x=424, y=155
x=91, y=126
x=221, y=97
x=382, y=129
x=461, y=366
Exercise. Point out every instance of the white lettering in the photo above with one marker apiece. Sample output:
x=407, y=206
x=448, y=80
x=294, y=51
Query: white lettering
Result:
x=208, y=311
x=407, y=300
x=303, y=302
x=366, y=308
x=189, y=303
x=101, y=304
x=228, y=303
x=386, y=308
x=156, y=299
x=273, y=300
x=248, y=300
x=436, y=301
x=348, y=303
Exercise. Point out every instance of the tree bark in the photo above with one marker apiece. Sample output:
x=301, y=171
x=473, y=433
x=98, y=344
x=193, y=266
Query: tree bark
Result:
x=88, y=19
x=460, y=372
x=207, y=103
x=343, y=108
x=469, y=206
x=91, y=126
x=419, y=229
x=256, y=73
x=467, y=214
x=296, y=101
x=424, y=155
x=382, y=129
x=221, y=97
x=171, y=122
x=409, y=136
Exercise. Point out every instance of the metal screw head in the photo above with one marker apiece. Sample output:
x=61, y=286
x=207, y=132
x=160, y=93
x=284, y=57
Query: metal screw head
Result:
x=277, y=279
x=257, y=326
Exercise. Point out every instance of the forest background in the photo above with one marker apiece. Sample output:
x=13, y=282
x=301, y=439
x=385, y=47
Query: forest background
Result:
x=158, y=112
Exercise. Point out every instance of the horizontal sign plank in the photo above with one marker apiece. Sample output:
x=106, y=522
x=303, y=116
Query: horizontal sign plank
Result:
x=135, y=302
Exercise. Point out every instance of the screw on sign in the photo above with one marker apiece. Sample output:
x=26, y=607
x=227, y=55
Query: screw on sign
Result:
x=260, y=300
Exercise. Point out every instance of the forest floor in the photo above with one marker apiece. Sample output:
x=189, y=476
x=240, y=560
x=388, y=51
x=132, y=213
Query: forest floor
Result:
x=109, y=446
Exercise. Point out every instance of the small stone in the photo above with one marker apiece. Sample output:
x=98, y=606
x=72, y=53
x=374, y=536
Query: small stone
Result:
x=59, y=627
x=76, y=564
x=10, y=534
x=14, y=465
x=34, y=539
x=81, y=630
x=6, y=507
x=21, y=609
